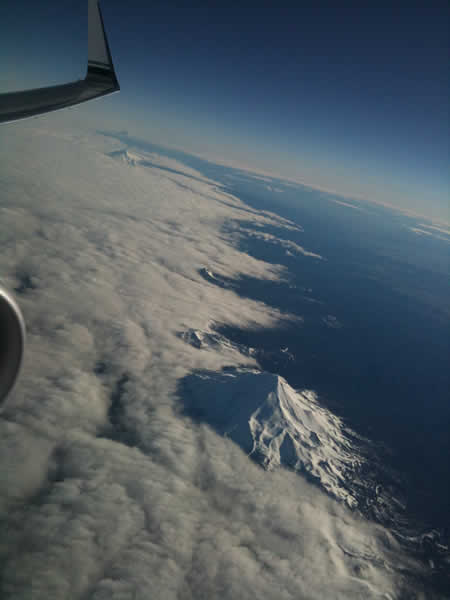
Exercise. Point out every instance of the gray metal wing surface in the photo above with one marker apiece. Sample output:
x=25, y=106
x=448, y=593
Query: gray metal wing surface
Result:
x=100, y=79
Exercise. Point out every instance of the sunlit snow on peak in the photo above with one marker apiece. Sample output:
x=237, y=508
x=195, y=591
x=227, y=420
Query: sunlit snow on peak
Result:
x=278, y=426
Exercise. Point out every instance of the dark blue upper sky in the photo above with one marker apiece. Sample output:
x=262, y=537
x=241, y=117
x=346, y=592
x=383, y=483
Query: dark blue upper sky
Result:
x=349, y=96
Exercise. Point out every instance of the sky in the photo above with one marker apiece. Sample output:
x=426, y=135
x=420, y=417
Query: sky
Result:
x=352, y=97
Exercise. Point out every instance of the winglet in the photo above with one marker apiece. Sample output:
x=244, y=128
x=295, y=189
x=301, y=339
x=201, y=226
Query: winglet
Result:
x=100, y=80
x=99, y=55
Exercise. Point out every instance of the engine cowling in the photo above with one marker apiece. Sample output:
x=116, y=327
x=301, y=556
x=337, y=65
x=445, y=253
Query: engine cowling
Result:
x=12, y=342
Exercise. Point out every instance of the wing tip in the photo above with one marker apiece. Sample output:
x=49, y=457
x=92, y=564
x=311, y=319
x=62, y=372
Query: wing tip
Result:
x=100, y=63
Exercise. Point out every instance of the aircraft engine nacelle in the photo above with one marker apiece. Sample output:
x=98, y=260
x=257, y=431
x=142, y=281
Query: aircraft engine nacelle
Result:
x=12, y=342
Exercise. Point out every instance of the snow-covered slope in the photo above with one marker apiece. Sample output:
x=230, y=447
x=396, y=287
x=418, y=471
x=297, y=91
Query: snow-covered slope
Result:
x=278, y=426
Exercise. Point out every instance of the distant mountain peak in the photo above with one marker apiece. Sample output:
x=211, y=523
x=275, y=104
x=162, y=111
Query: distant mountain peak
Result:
x=125, y=156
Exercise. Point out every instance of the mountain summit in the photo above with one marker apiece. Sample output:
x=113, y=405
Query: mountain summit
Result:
x=277, y=426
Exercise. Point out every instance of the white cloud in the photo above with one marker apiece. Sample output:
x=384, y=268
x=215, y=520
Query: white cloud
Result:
x=290, y=246
x=437, y=232
x=441, y=229
x=347, y=204
x=108, y=491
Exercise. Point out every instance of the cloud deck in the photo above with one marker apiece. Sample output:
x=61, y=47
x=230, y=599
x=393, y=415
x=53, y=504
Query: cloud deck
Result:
x=108, y=491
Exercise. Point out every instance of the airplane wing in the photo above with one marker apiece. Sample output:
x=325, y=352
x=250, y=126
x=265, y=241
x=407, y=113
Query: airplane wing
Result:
x=100, y=79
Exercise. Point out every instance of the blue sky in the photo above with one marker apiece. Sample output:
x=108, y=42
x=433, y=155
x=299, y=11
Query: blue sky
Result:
x=349, y=96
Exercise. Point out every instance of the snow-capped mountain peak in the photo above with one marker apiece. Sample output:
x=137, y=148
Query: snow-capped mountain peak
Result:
x=277, y=426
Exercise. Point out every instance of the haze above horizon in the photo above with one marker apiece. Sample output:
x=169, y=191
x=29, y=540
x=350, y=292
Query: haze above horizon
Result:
x=351, y=98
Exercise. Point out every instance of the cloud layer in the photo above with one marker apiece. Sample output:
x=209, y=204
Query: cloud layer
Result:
x=107, y=490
